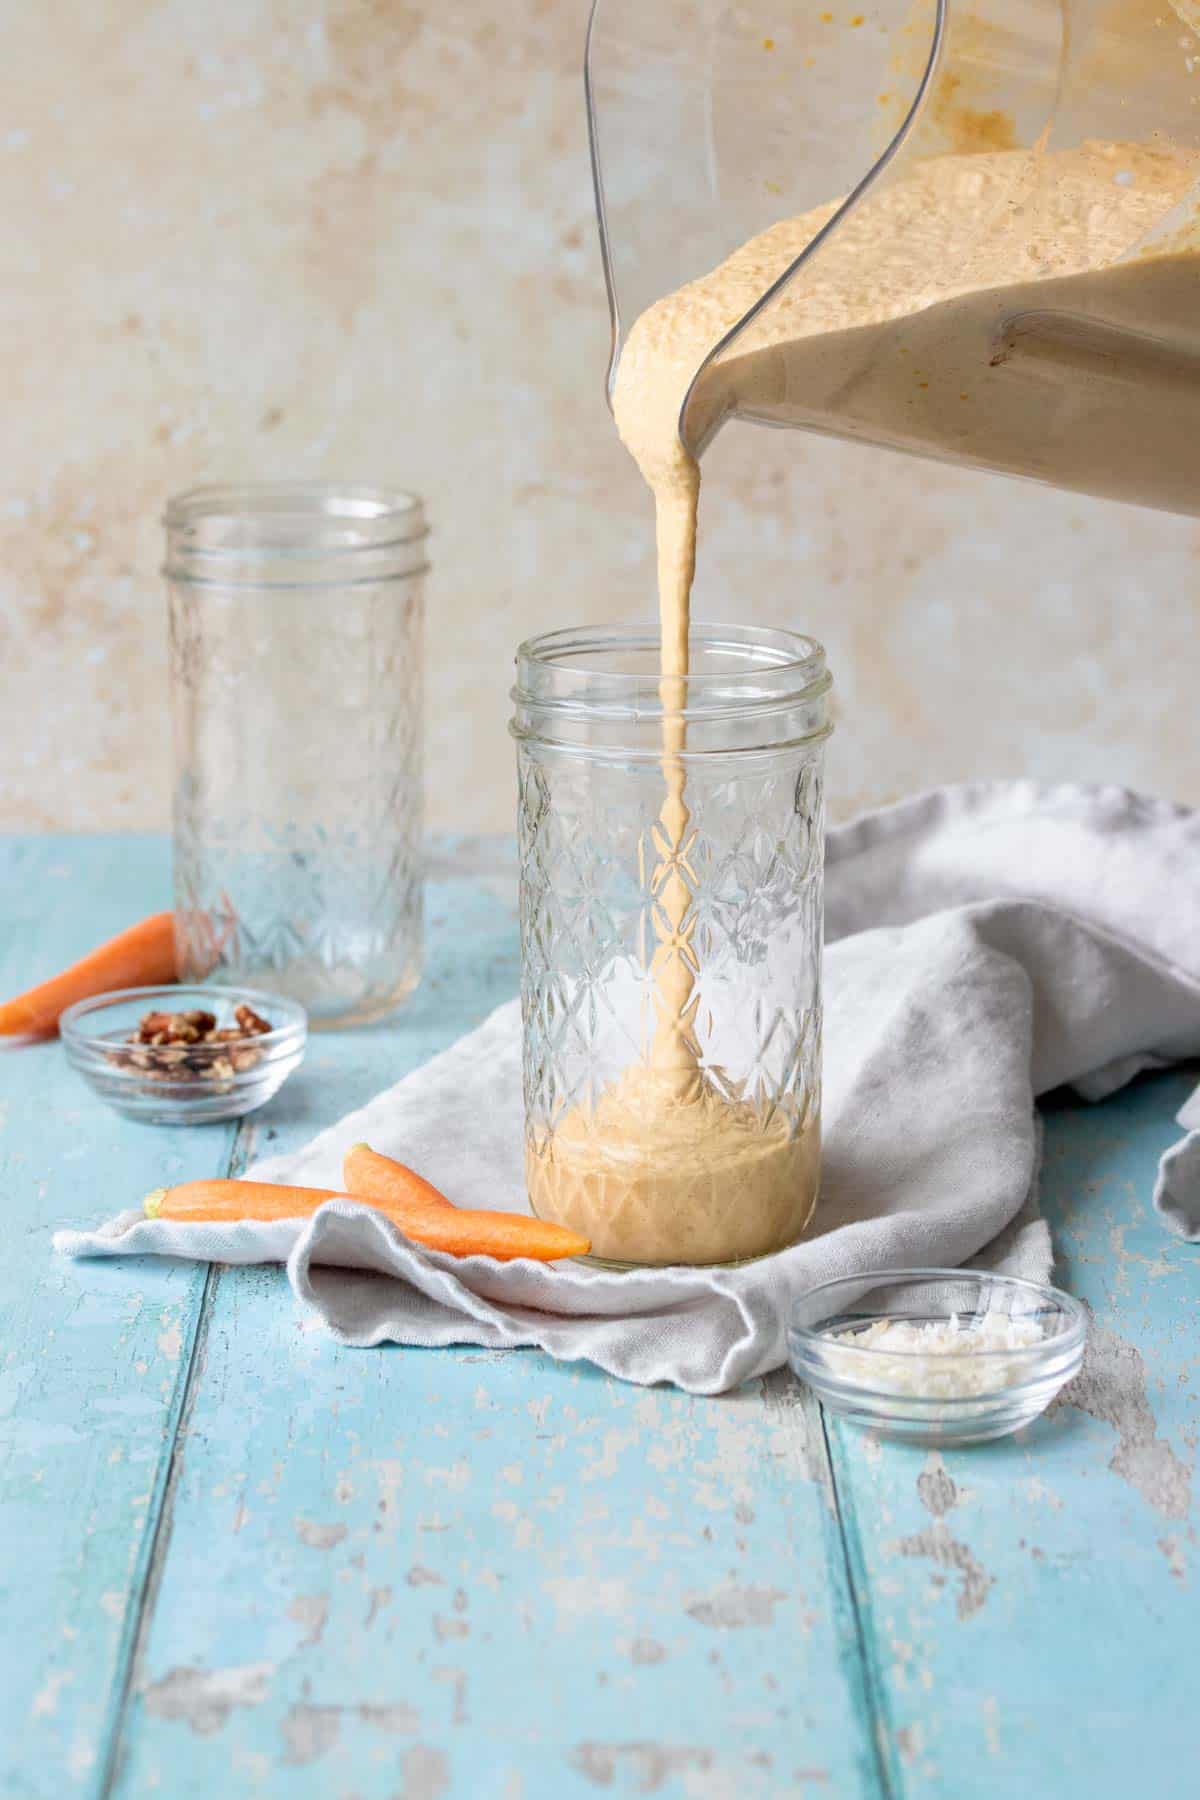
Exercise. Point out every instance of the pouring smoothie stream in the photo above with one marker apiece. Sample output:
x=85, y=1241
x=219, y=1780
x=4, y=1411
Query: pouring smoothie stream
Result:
x=873, y=328
x=1032, y=307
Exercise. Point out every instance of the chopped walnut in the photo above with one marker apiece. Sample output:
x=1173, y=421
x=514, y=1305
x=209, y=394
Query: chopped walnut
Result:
x=251, y=1023
x=174, y=1028
x=187, y=1046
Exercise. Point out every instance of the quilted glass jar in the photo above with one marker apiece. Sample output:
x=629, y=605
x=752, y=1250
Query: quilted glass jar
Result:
x=296, y=677
x=671, y=953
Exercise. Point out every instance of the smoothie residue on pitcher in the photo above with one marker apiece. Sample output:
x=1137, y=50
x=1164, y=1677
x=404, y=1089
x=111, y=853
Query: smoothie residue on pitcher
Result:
x=972, y=309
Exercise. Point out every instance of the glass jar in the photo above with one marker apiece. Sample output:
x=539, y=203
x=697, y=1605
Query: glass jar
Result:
x=296, y=627
x=671, y=955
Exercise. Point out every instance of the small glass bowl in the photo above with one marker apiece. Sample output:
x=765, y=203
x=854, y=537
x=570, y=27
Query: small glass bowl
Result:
x=935, y=1398
x=199, y=1083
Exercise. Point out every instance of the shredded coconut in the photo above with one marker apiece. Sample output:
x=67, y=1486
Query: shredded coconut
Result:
x=937, y=1360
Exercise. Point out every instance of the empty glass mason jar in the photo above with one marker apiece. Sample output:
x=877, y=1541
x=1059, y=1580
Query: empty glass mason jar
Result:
x=671, y=923
x=296, y=676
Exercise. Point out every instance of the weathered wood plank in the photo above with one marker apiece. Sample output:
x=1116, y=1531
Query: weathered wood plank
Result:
x=468, y=1574
x=462, y=1573
x=1031, y=1605
x=90, y=1353
x=94, y=1358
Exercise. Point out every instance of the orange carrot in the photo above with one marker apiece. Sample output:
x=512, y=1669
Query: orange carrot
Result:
x=433, y=1222
x=424, y=1213
x=375, y=1177
x=142, y=956
x=219, y=1201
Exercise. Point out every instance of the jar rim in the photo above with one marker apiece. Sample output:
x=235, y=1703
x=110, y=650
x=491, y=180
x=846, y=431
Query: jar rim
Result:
x=372, y=511
x=792, y=660
x=765, y=680
x=294, y=534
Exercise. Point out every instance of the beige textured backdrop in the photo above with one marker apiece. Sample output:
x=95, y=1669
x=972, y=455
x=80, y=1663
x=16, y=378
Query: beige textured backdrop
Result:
x=281, y=237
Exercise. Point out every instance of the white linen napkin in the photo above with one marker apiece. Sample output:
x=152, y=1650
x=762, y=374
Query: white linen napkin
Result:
x=987, y=943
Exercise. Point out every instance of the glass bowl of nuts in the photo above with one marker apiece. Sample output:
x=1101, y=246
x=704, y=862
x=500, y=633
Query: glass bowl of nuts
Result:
x=184, y=1055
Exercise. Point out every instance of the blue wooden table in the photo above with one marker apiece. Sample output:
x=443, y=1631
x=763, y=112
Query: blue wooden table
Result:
x=237, y=1559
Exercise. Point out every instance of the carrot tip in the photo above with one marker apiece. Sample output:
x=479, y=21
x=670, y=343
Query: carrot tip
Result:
x=362, y=1144
x=152, y=1204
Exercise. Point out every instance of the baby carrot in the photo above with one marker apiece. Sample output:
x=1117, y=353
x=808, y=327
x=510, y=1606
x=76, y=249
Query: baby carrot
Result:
x=372, y=1176
x=142, y=956
x=424, y=1213
x=217, y=1201
x=439, y=1226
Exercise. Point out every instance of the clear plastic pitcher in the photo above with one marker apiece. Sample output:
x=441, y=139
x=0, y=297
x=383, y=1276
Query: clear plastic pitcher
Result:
x=996, y=257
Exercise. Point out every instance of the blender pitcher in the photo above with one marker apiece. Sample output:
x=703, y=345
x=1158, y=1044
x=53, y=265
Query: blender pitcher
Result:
x=993, y=255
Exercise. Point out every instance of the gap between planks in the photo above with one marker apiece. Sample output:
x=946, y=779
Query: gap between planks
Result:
x=788, y=1400
x=882, y=1739
x=156, y=1540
